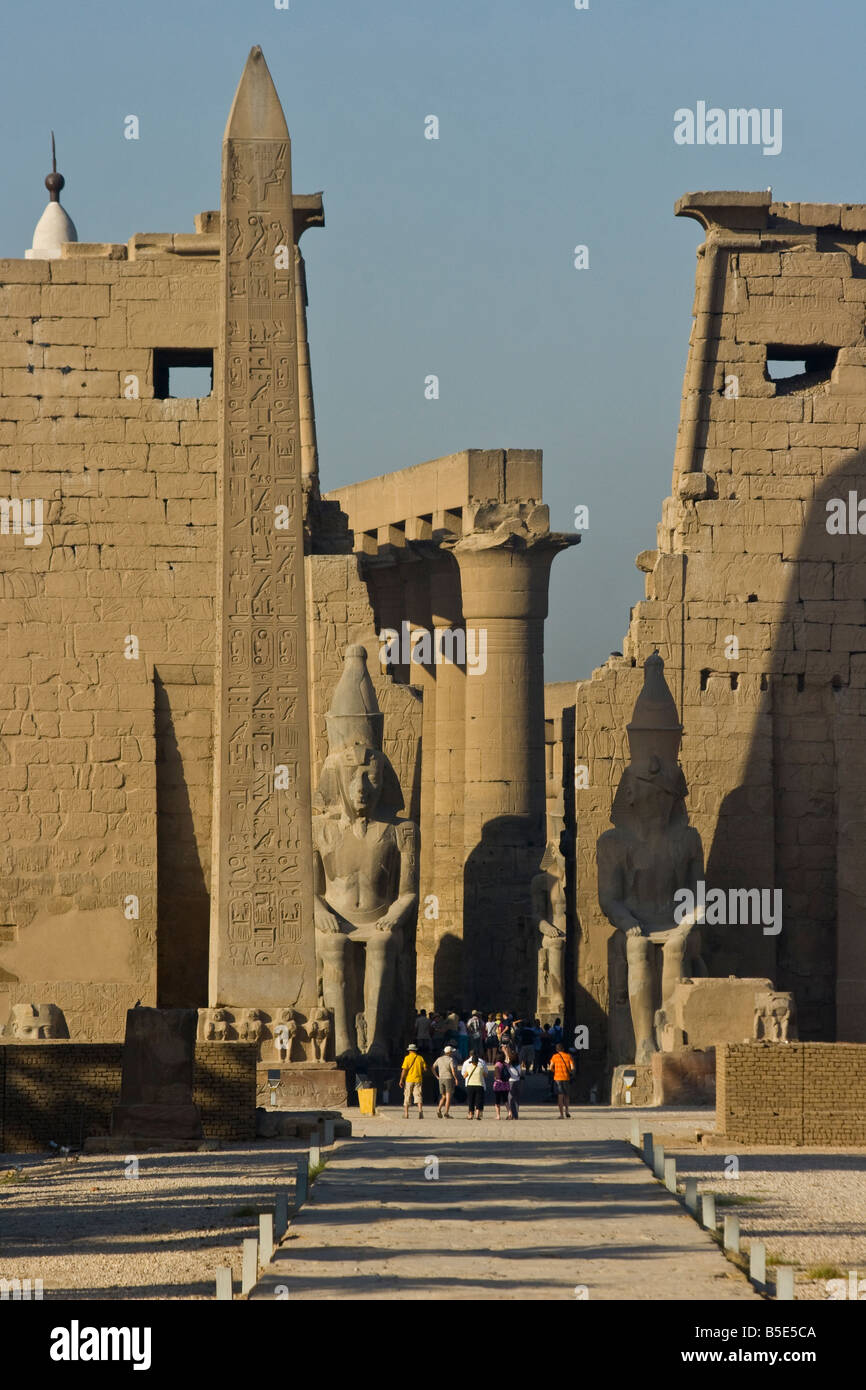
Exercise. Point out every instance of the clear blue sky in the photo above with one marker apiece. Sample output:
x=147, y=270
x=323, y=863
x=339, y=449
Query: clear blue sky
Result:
x=456, y=257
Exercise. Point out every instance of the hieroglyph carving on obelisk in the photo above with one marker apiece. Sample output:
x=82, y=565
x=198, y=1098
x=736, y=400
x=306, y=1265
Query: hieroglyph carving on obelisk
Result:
x=262, y=932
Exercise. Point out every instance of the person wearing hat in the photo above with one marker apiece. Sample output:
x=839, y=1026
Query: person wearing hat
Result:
x=446, y=1074
x=411, y=1077
x=475, y=1029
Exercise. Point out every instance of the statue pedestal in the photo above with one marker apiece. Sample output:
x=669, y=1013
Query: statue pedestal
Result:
x=639, y=1094
x=301, y=1086
x=685, y=1077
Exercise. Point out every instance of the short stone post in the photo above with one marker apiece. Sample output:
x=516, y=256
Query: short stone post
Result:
x=648, y=1150
x=281, y=1215
x=671, y=1175
x=315, y=1149
x=266, y=1238
x=732, y=1233
x=658, y=1160
x=758, y=1264
x=302, y=1181
x=692, y=1195
x=635, y=1132
x=708, y=1211
x=327, y=1133
x=785, y=1283
x=250, y=1266
x=224, y=1283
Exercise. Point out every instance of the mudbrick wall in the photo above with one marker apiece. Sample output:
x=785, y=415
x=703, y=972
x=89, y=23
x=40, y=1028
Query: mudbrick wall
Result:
x=791, y=1093
x=65, y=1091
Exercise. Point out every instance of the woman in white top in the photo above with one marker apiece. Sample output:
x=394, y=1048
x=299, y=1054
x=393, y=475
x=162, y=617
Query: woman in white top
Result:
x=474, y=1073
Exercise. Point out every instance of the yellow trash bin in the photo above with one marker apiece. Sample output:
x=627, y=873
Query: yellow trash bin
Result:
x=367, y=1100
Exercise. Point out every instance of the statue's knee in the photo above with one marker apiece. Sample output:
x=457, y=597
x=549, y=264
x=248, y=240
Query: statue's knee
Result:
x=637, y=950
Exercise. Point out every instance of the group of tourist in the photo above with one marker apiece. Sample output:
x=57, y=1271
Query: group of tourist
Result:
x=500, y=1047
x=534, y=1042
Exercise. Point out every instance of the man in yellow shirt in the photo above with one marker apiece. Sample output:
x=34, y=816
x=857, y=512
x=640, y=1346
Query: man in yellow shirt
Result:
x=411, y=1077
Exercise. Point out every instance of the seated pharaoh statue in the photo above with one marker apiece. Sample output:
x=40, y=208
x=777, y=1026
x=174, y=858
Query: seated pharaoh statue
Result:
x=650, y=854
x=365, y=868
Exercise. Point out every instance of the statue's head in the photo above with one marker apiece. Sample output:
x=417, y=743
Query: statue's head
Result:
x=357, y=778
x=33, y=1022
x=359, y=775
x=650, y=796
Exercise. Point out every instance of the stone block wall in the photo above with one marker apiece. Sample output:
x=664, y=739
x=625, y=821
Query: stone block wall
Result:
x=791, y=1093
x=107, y=634
x=65, y=1091
x=116, y=598
x=759, y=614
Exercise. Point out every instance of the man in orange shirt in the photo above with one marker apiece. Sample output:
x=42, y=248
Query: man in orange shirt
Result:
x=563, y=1069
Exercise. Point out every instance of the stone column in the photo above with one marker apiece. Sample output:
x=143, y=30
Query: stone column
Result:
x=262, y=934
x=416, y=590
x=447, y=964
x=504, y=560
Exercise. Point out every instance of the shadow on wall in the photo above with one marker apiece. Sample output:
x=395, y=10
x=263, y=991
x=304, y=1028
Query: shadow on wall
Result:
x=801, y=796
x=500, y=961
x=183, y=901
x=449, y=973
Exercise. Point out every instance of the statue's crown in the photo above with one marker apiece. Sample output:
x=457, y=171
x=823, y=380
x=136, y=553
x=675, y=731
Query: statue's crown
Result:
x=354, y=716
x=655, y=727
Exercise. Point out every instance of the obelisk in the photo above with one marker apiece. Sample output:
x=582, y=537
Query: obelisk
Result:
x=262, y=943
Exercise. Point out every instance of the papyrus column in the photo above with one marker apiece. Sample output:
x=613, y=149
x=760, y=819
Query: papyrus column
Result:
x=504, y=570
x=445, y=928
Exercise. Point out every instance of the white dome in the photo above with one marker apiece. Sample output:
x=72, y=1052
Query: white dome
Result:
x=53, y=228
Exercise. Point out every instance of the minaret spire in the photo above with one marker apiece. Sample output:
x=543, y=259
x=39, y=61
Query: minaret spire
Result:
x=55, y=226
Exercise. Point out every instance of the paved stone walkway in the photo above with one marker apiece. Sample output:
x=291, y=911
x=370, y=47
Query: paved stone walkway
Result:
x=532, y=1210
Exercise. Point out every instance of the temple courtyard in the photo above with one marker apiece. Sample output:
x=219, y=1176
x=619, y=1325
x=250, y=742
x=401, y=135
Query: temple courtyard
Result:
x=539, y=1209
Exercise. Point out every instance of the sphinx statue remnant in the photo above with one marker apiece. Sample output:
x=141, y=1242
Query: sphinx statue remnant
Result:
x=650, y=854
x=365, y=868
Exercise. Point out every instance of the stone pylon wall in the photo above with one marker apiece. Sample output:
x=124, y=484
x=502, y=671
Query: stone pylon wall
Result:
x=100, y=732
x=773, y=746
x=106, y=762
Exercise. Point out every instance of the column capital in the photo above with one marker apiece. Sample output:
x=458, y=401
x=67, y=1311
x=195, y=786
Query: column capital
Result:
x=510, y=526
x=504, y=555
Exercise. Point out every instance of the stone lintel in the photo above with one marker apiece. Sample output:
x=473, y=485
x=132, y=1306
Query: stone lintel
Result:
x=308, y=208
x=441, y=485
x=730, y=211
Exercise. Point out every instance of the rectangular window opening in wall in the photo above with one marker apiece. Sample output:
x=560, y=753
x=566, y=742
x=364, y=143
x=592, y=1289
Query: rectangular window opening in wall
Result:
x=798, y=368
x=182, y=373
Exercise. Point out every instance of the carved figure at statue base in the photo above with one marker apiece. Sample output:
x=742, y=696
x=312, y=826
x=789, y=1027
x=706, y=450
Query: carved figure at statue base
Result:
x=319, y=1031
x=251, y=1026
x=217, y=1027
x=775, y=1017
x=285, y=1028
x=547, y=891
x=650, y=854
x=365, y=865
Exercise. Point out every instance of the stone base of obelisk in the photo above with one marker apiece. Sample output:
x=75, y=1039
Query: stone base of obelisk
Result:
x=301, y=1086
